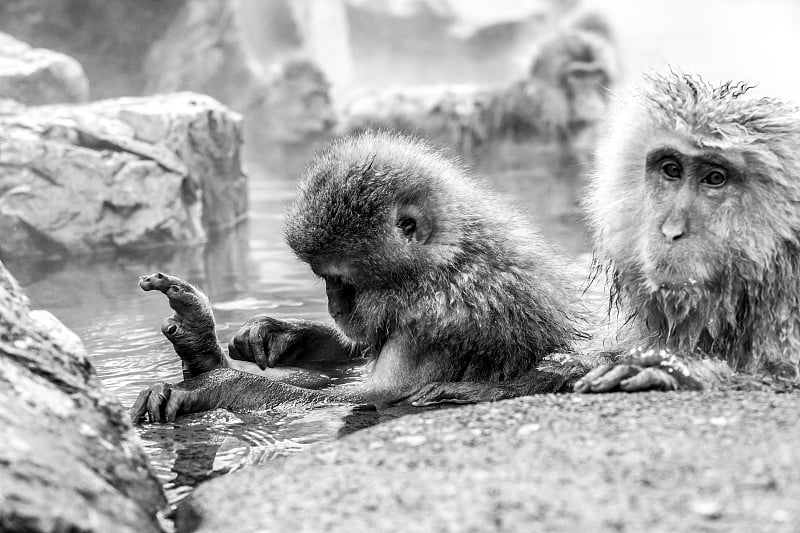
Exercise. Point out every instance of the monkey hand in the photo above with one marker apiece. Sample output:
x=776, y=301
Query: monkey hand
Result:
x=163, y=403
x=652, y=370
x=457, y=392
x=268, y=342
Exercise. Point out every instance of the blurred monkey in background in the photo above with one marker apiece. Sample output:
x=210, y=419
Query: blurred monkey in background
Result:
x=566, y=92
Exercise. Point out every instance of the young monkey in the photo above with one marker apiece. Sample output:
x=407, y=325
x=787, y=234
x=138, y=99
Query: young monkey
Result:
x=428, y=276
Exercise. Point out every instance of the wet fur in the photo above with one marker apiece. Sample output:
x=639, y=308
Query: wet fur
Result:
x=749, y=314
x=485, y=299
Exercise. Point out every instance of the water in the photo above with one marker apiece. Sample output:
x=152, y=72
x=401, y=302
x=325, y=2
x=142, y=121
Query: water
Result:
x=245, y=272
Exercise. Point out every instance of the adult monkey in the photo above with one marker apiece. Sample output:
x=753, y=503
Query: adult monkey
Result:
x=426, y=273
x=694, y=211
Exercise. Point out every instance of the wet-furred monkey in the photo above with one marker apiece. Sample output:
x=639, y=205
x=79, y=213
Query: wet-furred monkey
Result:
x=429, y=277
x=695, y=215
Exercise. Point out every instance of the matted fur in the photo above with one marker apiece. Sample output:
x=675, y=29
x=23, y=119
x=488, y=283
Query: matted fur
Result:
x=484, y=299
x=748, y=310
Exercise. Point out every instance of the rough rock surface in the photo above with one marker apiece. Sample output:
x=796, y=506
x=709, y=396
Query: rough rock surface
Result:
x=204, y=50
x=69, y=459
x=717, y=461
x=118, y=174
x=449, y=115
x=38, y=76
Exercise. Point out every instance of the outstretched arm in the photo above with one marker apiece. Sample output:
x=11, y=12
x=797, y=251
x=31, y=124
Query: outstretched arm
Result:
x=225, y=388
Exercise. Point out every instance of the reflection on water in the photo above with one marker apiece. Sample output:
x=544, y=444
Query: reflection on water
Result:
x=245, y=272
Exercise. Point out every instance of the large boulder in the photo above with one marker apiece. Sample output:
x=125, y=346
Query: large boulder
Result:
x=69, y=460
x=716, y=461
x=38, y=76
x=118, y=174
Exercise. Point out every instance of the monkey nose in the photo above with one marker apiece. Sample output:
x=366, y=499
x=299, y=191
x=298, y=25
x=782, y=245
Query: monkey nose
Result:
x=673, y=230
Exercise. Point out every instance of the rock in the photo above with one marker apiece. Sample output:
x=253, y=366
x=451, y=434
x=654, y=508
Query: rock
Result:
x=70, y=460
x=449, y=115
x=201, y=50
x=118, y=174
x=10, y=107
x=616, y=462
x=204, y=50
x=110, y=38
x=37, y=76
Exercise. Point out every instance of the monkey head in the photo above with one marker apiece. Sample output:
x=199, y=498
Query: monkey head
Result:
x=696, y=187
x=580, y=65
x=298, y=100
x=375, y=218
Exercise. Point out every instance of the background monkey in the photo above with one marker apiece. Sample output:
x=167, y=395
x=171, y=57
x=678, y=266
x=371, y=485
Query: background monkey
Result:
x=427, y=275
x=567, y=90
x=694, y=214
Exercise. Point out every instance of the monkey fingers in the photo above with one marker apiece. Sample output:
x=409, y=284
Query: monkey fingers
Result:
x=270, y=342
x=173, y=330
x=159, y=403
x=248, y=345
x=651, y=378
x=183, y=297
x=151, y=402
x=585, y=383
x=611, y=379
x=160, y=282
x=458, y=392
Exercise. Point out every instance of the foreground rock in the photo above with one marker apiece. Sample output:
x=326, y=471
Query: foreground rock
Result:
x=38, y=76
x=118, y=174
x=69, y=459
x=722, y=461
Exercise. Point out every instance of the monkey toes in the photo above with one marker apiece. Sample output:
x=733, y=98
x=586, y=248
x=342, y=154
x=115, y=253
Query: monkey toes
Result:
x=183, y=297
x=191, y=330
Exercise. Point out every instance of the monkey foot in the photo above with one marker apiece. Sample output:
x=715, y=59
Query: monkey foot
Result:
x=650, y=370
x=191, y=330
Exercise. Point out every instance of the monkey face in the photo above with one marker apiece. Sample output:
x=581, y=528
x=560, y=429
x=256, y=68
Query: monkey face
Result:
x=691, y=197
x=359, y=284
x=341, y=302
x=586, y=87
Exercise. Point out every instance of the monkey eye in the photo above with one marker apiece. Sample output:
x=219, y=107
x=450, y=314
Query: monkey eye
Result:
x=408, y=226
x=671, y=170
x=715, y=178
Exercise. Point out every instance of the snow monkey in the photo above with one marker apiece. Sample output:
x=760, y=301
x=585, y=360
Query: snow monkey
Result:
x=567, y=90
x=695, y=214
x=428, y=276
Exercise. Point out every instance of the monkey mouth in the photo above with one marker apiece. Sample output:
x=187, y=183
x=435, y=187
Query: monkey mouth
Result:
x=673, y=285
x=675, y=275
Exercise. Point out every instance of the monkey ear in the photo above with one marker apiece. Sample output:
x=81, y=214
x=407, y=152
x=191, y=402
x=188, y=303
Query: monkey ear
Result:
x=413, y=223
